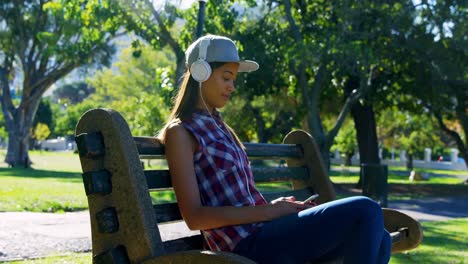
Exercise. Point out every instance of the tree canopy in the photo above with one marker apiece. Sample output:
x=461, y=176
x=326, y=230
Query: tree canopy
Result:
x=41, y=42
x=320, y=60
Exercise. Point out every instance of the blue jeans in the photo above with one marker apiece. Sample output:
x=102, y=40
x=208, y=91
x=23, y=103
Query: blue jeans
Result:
x=350, y=228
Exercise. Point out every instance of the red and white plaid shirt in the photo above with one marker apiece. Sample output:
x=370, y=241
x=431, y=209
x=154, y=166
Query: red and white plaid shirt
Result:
x=224, y=176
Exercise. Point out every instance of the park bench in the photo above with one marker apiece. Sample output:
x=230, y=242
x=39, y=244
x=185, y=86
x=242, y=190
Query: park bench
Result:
x=124, y=220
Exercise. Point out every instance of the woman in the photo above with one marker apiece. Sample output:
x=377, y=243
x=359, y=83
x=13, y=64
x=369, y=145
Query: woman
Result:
x=215, y=189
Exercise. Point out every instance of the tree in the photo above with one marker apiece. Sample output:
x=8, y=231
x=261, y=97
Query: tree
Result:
x=235, y=21
x=266, y=96
x=336, y=46
x=138, y=87
x=72, y=92
x=66, y=122
x=43, y=123
x=153, y=26
x=44, y=42
x=41, y=132
x=410, y=132
x=437, y=49
x=345, y=142
x=3, y=132
x=44, y=114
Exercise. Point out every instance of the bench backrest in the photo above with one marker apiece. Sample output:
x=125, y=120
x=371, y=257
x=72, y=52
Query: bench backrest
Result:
x=123, y=216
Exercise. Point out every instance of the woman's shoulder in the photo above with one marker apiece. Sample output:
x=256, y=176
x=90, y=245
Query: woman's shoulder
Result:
x=176, y=127
x=178, y=132
x=178, y=135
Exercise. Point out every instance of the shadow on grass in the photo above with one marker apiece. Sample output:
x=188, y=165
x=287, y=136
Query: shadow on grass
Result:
x=442, y=243
x=32, y=173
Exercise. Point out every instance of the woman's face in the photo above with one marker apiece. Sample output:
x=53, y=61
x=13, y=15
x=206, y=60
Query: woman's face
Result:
x=219, y=87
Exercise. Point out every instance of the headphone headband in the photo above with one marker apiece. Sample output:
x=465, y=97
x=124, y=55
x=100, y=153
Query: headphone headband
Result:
x=200, y=69
x=202, y=51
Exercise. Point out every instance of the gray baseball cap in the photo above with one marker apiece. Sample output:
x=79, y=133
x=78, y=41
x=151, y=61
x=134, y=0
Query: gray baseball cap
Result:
x=220, y=49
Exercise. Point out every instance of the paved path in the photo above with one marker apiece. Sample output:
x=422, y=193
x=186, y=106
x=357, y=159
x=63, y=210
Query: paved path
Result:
x=27, y=235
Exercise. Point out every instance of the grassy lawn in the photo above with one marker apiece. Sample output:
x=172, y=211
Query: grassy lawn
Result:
x=400, y=187
x=53, y=185
x=72, y=258
x=396, y=177
x=445, y=242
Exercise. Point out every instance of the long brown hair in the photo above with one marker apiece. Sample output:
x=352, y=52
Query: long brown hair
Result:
x=185, y=103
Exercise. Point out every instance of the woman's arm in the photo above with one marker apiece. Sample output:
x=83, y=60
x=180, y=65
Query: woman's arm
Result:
x=180, y=146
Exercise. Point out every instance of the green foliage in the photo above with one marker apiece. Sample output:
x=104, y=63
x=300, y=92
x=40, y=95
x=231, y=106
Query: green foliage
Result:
x=145, y=115
x=67, y=120
x=93, y=21
x=345, y=141
x=3, y=132
x=265, y=118
x=41, y=42
x=41, y=132
x=44, y=115
x=140, y=88
x=407, y=131
x=433, y=66
x=73, y=93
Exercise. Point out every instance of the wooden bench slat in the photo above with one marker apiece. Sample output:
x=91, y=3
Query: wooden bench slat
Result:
x=184, y=243
x=158, y=179
x=273, y=151
x=271, y=174
x=161, y=179
x=167, y=212
x=150, y=146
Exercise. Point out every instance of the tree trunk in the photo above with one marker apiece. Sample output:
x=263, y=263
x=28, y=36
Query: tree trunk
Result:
x=366, y=133
x=261, y=129
x=365, y=125
x=180, y=68
x=348, y=161
x=462, y=147
x=19, y=133
x=409, y=162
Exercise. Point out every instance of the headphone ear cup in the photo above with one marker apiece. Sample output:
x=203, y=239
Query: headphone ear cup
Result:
x=200, y=70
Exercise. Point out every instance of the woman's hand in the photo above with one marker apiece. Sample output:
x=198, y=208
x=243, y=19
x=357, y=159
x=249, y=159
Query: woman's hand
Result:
x=288, y=205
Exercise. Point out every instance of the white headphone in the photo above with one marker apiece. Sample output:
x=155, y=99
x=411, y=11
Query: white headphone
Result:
x=200, y=69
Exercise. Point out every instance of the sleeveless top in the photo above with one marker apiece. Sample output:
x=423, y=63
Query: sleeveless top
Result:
x=224, y=176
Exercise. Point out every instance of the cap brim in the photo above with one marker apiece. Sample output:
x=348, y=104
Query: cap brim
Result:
x=248, y=66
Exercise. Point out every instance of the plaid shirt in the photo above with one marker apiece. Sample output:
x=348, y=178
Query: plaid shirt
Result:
x=224, y=177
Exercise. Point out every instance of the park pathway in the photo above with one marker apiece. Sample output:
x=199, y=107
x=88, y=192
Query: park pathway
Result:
x=30, y=235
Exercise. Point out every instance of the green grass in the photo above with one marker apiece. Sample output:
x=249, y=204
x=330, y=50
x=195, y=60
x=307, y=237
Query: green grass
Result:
x=445, y=242
x=53, y=184
x=72, y=258
x=445, y=186
x=353, y=177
